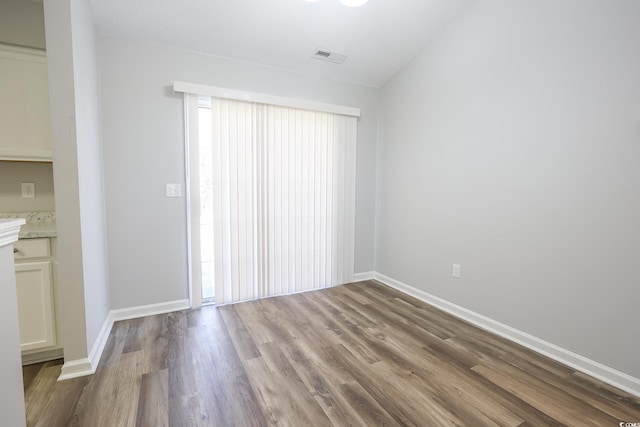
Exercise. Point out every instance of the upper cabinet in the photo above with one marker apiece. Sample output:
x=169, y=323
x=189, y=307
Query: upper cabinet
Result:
x=25, y=131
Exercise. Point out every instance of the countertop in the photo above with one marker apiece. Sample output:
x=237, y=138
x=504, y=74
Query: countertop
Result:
x=38, y=229
x=38, y=224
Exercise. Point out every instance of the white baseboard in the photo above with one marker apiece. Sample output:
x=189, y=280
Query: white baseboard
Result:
x=101, y=341
x=88, y=366
x=360, y=277
x=149, y=310
x=76, y=368
x=41, y=356
x=81, y=367
x=583, y=364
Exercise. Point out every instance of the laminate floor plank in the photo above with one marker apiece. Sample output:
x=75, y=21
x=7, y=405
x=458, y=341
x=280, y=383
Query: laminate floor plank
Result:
x=467, y=414
x=308, y=335
x=421, y=399
x=558, y=405
x=590, y=399
x=154, y=337
x=607, y=394
x=394, y=325
x=250, y=313
x=29, y=373
x=37, y=396
x=499, y=348
x=302, y=321
x=345, y=306
x=61, y=411
x=360, y=354
x=238, y=331
x=366, y=407
x=382, y=389
x=114, y=393
x=440, y=324
x=341, y=326
x=153, y=403
x=308, y=411
x=221, y=379
x=113, y=349
x=350, y=304
x=186, y=411
x=134, y=336
x=280, y=407
x=448, y=374
x=324, y=385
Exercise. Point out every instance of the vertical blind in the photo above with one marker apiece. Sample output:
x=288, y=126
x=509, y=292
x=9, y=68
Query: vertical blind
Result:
x=283, y=187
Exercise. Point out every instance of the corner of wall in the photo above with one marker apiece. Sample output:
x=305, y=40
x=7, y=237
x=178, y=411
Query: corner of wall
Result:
x=89, y=365
x=580, y=363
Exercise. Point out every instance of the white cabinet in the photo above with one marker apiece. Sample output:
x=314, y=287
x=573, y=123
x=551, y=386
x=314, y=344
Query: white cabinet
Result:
x=25, y=130
x=35, y=305
x=34, y=283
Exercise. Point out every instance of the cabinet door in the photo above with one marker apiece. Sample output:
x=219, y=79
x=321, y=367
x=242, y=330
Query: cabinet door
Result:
x=24, y=105
x=35, y=305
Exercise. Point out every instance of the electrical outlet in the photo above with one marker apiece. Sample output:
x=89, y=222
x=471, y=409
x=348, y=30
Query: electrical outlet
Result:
x=28, y=190
x=173, y=190
x=456, y=271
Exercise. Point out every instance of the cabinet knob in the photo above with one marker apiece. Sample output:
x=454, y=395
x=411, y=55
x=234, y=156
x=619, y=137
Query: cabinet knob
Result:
x=15, y=250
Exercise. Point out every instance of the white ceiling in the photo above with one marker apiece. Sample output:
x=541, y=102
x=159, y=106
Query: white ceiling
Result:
x=379, y=37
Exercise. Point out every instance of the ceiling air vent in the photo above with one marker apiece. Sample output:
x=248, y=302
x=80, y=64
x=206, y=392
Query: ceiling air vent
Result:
x=326, y=55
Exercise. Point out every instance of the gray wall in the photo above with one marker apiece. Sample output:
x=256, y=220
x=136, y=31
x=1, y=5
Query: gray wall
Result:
x=75, y=125
x=11, y=394
x=22, y=23
x=143, y=149
x=65, y=172
x=511, y=146
x=12, y=174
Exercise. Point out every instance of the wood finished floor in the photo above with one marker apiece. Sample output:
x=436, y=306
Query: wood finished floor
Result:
x=354, y=355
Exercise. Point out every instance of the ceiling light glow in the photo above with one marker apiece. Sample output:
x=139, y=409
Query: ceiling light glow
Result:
x=353, y=3
x=348, y=3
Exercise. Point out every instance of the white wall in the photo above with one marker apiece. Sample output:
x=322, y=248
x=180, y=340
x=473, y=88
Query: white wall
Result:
x=11, y=386
x=511, y=146
x=143, y=149
x=90, y=172
x=75, y=122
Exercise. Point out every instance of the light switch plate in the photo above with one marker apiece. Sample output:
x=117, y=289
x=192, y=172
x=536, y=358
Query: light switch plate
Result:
x=173, y=190
x=28, y=190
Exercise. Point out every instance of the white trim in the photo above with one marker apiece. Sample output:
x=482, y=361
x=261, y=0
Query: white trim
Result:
x=263, y=98
x=42, y=356
x=361, y=277
x=583, y=364
x=76, y=368
x=81, y=367
x=192, y=199
x=149, y=310
x=9, y=230
x=101, y=341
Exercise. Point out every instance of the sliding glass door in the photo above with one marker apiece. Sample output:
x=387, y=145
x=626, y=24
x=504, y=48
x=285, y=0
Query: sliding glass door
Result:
x=205, y=193
x=275, y=190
